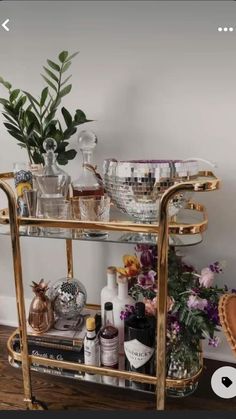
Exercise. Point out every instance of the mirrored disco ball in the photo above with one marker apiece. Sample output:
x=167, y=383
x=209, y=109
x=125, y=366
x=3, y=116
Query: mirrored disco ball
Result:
x=68, y=297
x=136, y=186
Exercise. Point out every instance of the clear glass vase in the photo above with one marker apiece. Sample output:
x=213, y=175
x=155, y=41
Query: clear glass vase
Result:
x=183, y=361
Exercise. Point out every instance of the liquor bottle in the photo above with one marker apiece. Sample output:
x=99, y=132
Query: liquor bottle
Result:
x=91, y=348
x=119, y=302
x=89, y=182
x=139, y=344
x=109, y=342
x=110, y=290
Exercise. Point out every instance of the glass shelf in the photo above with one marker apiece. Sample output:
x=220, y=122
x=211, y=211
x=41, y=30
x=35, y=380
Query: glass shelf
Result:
x=69, y=369
x=193, y=218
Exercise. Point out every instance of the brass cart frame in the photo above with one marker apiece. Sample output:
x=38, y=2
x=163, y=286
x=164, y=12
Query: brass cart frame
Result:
x=205, y=182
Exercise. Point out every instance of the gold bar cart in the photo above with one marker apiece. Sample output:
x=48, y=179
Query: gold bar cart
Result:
x=205, y=182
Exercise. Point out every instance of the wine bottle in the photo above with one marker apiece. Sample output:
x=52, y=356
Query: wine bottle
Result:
x=109, y=344
x=139, y=345
x=110, y=290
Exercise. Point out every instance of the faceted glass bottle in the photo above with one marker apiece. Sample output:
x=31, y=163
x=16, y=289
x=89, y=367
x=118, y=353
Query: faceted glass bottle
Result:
x=52, y=181
x=89, y=182
x=139, y=345
x=109, y=344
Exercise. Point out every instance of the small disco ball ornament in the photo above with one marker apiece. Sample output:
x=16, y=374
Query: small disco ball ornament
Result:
x=68, y=296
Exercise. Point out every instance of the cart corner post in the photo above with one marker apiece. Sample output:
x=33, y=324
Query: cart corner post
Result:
x=162, y=269
x=16, y=252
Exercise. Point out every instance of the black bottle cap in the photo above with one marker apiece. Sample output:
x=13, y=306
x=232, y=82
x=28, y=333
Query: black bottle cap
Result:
x=108, y=306
x=140, y=309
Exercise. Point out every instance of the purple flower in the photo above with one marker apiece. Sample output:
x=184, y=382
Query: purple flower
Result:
x=212, y=312
x=124, y=314
x=175, y=327
x=196, y=303
x=196, y=290
x=146, y=258
x=145, y=255
x=214, y=342
x=142, y=248
x=146, y=280
x=233, y=290
x=216, y=267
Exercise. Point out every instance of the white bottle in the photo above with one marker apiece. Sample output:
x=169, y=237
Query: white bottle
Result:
x=110, y=290
x=91, y=349
x=119, y=303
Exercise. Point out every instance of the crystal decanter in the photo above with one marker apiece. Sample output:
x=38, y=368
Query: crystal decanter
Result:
x=52, y=181
x=89, y=182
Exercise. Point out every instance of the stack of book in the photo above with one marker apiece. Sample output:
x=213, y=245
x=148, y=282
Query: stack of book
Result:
x=62, y=345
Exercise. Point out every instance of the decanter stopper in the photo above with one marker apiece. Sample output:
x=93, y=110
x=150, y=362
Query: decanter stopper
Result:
x=87, y=140
x=50, y=146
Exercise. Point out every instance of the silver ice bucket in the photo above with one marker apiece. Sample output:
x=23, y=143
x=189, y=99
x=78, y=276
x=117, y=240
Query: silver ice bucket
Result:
x=136, y=186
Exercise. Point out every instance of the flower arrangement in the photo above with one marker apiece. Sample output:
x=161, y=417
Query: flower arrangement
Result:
x=193, y=298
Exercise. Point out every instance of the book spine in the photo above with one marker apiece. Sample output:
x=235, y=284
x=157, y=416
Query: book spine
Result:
x=50, y=370
x=51, y=344
x=52, y=353
x=76, y=344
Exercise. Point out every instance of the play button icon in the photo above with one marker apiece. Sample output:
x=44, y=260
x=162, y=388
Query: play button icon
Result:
x=223, y=382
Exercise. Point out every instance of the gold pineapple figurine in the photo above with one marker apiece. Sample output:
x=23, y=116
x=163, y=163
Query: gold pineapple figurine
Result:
x=41, y=317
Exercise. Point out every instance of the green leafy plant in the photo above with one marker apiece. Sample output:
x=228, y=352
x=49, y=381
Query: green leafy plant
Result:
x=31, y=120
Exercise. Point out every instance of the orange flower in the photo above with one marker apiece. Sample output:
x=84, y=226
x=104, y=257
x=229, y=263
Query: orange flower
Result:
x=123, y=271
x=130, y=260
x=131, y=266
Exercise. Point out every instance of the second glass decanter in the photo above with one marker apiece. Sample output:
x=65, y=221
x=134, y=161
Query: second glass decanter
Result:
x=52, y=181
x=90, y=182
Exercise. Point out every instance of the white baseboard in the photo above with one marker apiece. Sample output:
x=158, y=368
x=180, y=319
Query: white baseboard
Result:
x=8, y=311
x=8, y=317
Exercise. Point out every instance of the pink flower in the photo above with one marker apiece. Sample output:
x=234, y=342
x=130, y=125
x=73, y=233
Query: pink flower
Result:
x=197, y=303
x=150, y=306
x=207, y=277
x=170, y=303
x=146, y=280
x=214, y=342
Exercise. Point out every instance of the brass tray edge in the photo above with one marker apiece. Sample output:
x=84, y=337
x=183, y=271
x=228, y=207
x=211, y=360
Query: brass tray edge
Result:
x=132, y=376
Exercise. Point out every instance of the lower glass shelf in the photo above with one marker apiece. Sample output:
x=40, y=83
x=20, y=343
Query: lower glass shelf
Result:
x=76, y=370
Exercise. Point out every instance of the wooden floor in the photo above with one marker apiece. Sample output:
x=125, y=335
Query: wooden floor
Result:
x=67, y=394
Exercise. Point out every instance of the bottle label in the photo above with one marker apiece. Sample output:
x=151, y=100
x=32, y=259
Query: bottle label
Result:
x=137, y=353
x=91, y=352
x=109, y=351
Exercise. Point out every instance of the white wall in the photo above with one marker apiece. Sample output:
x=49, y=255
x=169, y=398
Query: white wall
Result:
x=159, y=80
